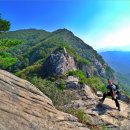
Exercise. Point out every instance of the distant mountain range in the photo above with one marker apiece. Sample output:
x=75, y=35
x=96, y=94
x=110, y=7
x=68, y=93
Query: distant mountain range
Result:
x=118, y=60
x=121, y=48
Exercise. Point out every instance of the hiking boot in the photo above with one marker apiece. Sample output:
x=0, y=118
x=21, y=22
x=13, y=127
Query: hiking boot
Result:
x=119, y=109
x=101, y=100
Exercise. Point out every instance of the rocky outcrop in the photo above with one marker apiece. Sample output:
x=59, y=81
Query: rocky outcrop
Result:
x=58, y=64
x=86, y=69
x=72, y=83
x=24, y=107
x=98, y=68
x=61, y=61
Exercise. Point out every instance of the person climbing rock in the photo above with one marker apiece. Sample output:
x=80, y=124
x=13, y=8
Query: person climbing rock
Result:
x=111, y=91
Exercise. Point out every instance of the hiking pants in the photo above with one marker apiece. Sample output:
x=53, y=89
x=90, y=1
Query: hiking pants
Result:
x=109, y=94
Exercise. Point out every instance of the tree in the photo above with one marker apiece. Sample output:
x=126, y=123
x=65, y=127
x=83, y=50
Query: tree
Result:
x=4, y=25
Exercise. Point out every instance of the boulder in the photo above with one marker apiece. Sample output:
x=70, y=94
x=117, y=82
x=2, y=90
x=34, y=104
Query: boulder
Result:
x=99, y=94
x=72, y=83
x=88, y=92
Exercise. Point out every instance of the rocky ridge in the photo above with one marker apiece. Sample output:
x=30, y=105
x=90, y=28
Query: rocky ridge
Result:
x=60, y=62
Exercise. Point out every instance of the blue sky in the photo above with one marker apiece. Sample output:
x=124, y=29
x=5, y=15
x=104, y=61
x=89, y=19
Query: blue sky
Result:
x=100, y=23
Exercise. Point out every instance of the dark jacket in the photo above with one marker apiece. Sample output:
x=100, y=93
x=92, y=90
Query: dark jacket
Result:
x=111, y=88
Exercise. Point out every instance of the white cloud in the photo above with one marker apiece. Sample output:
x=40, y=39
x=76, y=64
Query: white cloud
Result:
x=119, y=37
x=109, y=28
x=116, y=35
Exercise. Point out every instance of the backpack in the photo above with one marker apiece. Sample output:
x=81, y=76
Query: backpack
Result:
x=117, y=86
x=117, y=91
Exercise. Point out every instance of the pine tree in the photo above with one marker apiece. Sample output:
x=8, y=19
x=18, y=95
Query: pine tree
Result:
x=4, y=25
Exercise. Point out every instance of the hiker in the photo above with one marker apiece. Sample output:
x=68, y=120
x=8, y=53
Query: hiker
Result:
x=112, y=92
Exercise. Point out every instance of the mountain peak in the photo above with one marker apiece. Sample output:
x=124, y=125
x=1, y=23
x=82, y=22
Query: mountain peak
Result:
x=64, y=30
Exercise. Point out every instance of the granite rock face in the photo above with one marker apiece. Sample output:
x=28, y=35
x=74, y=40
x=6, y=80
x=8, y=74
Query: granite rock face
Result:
x=58, y=64
x=98, y=68
x=24, y=107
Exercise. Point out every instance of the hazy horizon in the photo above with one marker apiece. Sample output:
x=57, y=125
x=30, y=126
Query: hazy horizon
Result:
x=101, y=24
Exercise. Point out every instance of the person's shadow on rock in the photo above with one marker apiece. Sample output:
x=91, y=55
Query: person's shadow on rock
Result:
x=103, y=108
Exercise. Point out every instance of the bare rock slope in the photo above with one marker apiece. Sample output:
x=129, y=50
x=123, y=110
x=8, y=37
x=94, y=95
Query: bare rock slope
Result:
x=24, y=107
x=102, y=115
